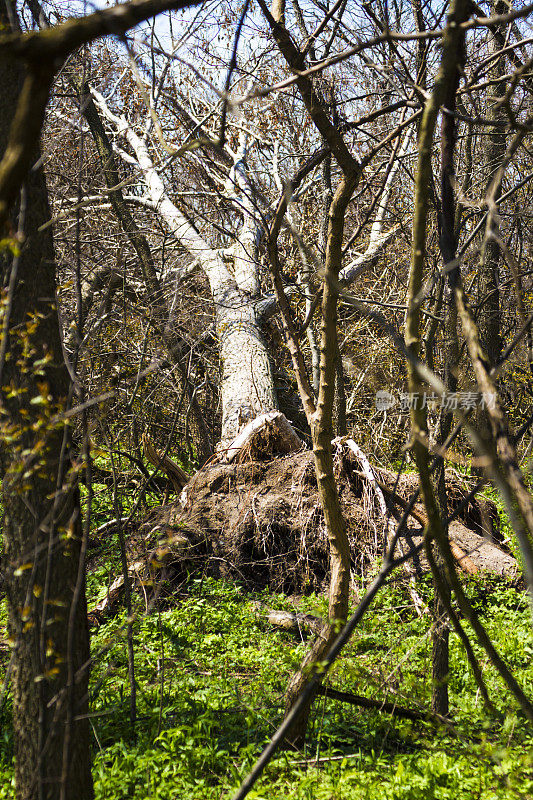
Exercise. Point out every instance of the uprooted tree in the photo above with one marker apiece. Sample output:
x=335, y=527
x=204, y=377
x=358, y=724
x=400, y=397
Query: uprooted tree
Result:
x=237, y=211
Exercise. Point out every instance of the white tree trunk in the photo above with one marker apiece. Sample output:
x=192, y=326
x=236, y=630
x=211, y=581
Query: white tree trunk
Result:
x=247, y=381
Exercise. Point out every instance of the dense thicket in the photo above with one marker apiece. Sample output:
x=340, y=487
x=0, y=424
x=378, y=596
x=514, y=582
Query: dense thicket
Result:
x=285, y=250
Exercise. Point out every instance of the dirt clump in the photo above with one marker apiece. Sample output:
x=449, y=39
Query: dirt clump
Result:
x=260, y=521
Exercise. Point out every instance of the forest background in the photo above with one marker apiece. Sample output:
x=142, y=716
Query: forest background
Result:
x=266, y=398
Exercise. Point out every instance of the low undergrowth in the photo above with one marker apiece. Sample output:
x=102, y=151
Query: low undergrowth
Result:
x=211, y=676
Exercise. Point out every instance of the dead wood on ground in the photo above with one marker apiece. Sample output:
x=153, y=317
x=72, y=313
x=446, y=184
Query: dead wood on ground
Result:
x=259, y=521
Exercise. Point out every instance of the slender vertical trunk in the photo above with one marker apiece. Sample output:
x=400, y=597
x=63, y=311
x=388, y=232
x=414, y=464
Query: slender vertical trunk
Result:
x=434, y=490
x=322, y=434
x=493, y=154
x=339, y=403
x=421, y=45
x=339, y=406
x=44, y=574
x=440, y=633
x=320, y=418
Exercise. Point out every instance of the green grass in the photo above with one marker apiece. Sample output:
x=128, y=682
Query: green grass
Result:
x=211, y=678
x=223, y=693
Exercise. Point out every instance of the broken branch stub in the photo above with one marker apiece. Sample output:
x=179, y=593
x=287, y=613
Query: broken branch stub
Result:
x=269, y=433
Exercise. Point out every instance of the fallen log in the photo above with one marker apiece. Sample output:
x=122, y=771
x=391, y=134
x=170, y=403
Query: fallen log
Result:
x=472, y=513
x=108, y=606
x=486, y=556
x=461, y=558
x=299, y=624
x=105, y=608
x=383, y=705
x=109, y=526
x=258, y=520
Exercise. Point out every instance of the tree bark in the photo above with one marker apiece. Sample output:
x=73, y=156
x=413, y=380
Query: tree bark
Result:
x=448, y=246
x=434, y=489
x=176, y=348
x=44, y=574
x=322, y=435
x=493, y=155
x=319, y=417
x=247, y=386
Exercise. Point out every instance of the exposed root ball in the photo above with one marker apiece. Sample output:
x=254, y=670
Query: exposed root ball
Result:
x=260, y=522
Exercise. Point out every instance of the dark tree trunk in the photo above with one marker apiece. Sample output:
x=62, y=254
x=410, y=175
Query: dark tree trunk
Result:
x=493, y=153
x=433, y=488
x=339, y=405
x=448, y=247
x=44, y=577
